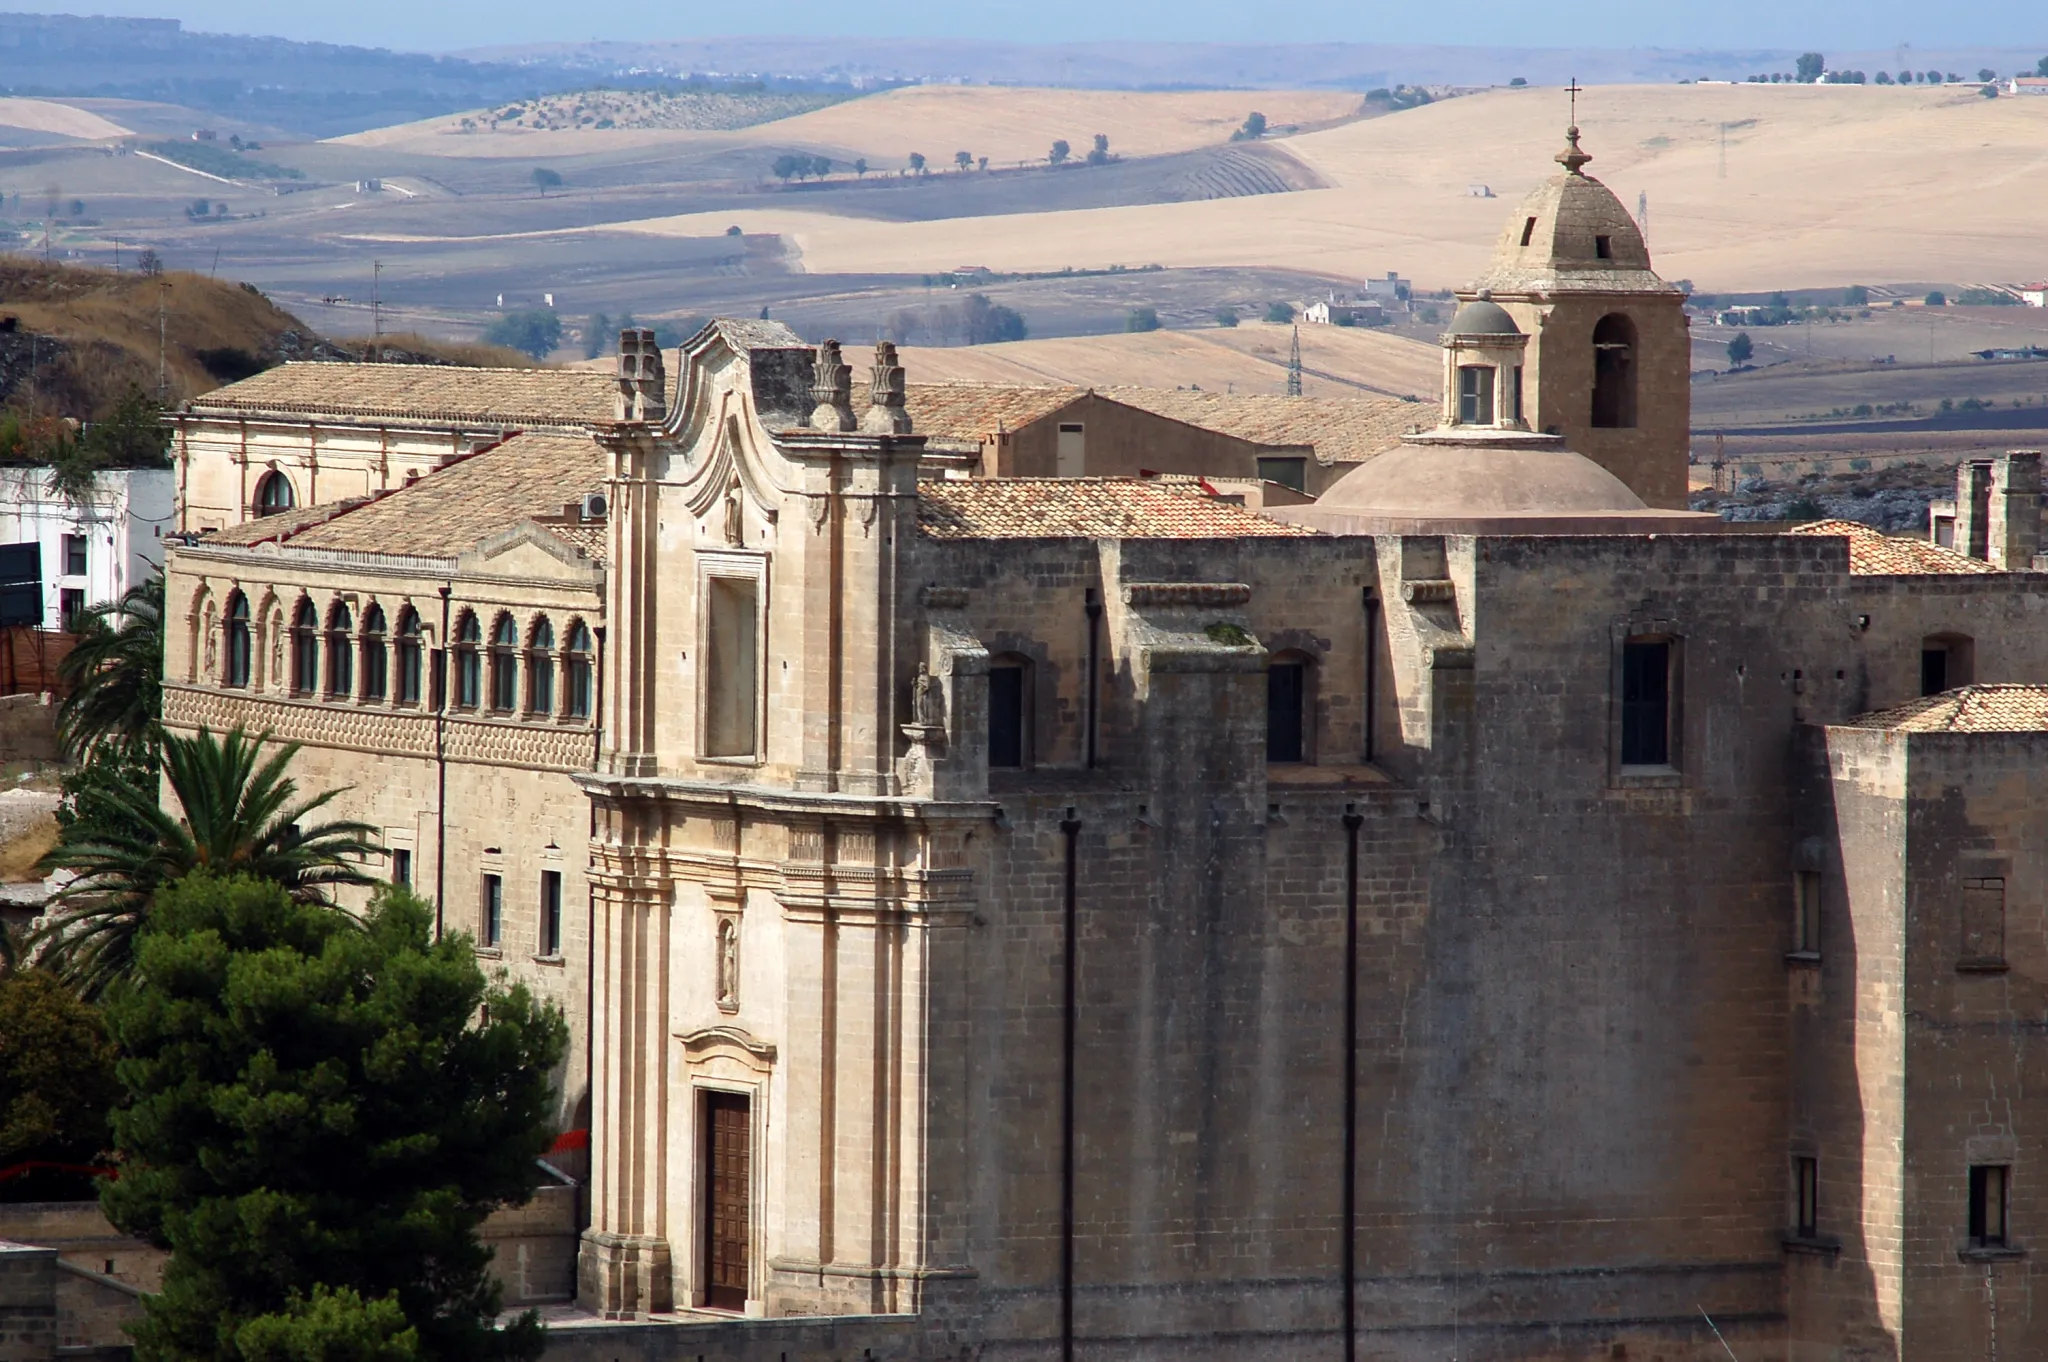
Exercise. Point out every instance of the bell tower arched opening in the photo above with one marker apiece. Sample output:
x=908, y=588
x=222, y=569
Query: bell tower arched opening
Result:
x=1614, y=373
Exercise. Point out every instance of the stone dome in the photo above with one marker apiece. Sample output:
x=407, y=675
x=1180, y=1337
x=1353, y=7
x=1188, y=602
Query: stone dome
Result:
x=1459, y=473
x=1483, y=317
x=1572, y=232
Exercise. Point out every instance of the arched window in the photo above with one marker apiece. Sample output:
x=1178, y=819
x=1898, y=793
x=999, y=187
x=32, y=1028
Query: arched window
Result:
x=305, y=649
x=577, y=672
x=540, y=669
x=237, y=673
x=274, y=494
x=1290, y=708
x=504, y=665
x=340, y=652
x=469, y=664
x=408, y=650
x=1009, y=711
x=1614, y=372
x=376, y=662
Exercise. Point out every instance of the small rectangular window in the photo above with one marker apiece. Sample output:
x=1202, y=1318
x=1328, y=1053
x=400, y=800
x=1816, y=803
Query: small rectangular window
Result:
x=74, y=555
x=1515, y=394
x=1288, y=472
x=1988, y=1205
x=70, y=605
x=550, y=912
x=1006, y=716
x=1528, y=231
x=1806, y=1174
x=1806, y=912
x=732, y=683
x=401, y=867
x=1646, y=704
x=493, y=924
x=1286, y=694
x=1475, y=394
x=1603, y=247
x=1983, y=924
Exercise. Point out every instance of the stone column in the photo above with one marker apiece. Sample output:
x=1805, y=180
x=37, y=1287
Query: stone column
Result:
x=625, y=1267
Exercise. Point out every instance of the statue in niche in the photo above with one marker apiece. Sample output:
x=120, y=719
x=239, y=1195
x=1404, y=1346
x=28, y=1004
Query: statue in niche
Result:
x=927, y=701
x=728, y=964
x=734, y=524
x=212, y=644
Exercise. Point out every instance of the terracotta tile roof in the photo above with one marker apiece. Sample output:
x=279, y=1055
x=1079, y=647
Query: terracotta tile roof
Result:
x=1970, y=709
x=970, y=411
x=1085, y=508
x=1873, y=553
x=283, y=524
x=528, y=477
x=1338, y=429
x=420, y=392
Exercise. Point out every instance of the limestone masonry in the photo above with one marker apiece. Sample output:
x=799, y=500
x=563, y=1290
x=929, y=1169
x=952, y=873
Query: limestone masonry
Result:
x=1436, y=898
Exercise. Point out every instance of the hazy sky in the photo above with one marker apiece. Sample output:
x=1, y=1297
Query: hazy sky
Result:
x=453, y=24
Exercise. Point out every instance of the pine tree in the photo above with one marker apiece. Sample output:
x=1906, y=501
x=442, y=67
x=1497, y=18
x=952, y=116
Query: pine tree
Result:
x=321, y=1113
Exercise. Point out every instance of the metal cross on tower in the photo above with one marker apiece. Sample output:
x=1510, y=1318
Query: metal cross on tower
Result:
x=1573, y=90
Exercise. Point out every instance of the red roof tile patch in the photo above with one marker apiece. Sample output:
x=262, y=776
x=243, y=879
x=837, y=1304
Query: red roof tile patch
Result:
x=1969, y=709
x=1873, y=553
x=1085, y=508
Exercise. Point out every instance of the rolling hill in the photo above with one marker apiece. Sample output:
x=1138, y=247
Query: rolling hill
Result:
x=1824, y=185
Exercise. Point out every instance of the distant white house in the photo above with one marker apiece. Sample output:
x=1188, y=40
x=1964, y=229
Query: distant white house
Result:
x=93, y=552
x=2027, y=85
x=2034, y=295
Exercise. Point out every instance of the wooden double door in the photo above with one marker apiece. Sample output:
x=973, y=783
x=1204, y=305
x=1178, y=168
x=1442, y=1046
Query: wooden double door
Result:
x=728, y=1182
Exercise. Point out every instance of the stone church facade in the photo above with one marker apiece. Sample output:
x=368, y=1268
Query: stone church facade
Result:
x=1487, y=912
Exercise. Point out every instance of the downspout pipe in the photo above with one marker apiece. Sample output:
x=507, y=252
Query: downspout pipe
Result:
x=1094, y=678
x=1372, y=668
x=438, y=677
x=1070, y=829
x=1353, y=821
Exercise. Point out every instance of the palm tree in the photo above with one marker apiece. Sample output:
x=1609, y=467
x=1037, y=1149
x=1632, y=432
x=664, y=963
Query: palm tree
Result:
x=114, y=673
x=242, y=816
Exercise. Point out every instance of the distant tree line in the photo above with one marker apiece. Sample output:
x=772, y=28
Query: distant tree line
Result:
x=977, y=321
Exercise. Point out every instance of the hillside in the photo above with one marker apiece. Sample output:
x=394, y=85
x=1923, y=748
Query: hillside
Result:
x=74, y=340
x=1825, y=185
x=1252, y=358
x=1005, y=124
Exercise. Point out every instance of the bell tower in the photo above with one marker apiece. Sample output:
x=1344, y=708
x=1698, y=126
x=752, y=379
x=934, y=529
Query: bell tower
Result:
x=1609, y=356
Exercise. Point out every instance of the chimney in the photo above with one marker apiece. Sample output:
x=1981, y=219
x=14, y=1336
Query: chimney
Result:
x=1973, y=508
x=643, y=386
x=2013, y=527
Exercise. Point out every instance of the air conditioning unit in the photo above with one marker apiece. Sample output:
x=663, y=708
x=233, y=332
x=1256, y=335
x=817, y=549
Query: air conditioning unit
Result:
x=593, y=506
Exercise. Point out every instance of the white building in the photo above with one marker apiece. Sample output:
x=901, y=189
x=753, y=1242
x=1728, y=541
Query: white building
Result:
x=92, y=552
x=2034, y=295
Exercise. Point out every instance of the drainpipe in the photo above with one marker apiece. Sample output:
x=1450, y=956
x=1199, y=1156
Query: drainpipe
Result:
x=1352, y=822
x=1372, y=667
x=1070, y=828
x=1094, y=683
x=441, y=767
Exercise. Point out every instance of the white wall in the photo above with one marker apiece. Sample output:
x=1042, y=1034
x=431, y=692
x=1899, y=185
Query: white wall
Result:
x=124, y=522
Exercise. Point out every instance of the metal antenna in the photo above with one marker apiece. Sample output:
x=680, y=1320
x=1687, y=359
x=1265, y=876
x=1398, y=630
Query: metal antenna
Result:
x=376, y=309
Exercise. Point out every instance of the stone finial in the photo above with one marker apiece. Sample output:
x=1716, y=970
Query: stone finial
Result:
x=831, y=390
x=643, y=385
x=1571, y=158
x=887, y=415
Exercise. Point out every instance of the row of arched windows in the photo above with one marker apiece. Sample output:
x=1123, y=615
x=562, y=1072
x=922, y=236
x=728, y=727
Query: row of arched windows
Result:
x=378, y=663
